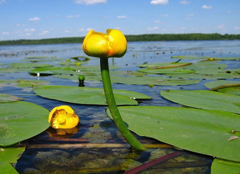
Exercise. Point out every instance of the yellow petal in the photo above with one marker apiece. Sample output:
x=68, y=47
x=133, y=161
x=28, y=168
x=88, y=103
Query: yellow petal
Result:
x=112, y=44
x=63, y=117
x=117, y=43
x=67, y=108
x=95, y=44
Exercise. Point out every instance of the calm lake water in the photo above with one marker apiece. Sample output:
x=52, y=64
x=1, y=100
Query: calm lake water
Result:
x=95, y=126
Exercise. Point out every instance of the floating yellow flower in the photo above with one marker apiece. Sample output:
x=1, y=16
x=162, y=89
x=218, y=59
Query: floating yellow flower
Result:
x=112, y=44
x=63, y=117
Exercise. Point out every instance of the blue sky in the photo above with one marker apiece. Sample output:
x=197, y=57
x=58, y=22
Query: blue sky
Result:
x=37, y=19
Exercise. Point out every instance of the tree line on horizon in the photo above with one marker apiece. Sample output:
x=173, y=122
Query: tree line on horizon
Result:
x=130, y=38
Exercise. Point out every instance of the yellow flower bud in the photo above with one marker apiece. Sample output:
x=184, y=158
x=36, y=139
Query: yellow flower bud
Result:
x=63, y=117
x=112, y=44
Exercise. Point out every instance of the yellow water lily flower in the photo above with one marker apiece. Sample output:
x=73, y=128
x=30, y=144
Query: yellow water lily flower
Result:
x=63, y=117
x=112, y=44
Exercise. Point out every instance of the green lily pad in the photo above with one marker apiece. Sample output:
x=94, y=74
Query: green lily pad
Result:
x=92, y=68
x=189, y=57
x=75, y=77
x=206, y=65
x=163, y=65
x=8, y=98
x=43, y=71
x=20, y=121
x=29, y=65
x=22, y=83
x=88, y=96
x=222, y=166
x=166, y=71
x=13, y=70
x=203, y=76
x=146, y=80
x=42, y=59
x=11, y=154
x=5, y=167
x=210, y=100
x=202, y=131
x=224, y=86
x=219, y=83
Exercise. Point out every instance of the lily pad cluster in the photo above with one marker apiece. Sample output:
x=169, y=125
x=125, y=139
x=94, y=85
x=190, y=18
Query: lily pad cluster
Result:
x=19, y=121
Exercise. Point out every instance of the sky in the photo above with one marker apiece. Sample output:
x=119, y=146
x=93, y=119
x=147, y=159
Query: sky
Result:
x=38, y=19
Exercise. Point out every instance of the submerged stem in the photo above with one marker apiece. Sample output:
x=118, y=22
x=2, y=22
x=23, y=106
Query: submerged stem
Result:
x=113, y=107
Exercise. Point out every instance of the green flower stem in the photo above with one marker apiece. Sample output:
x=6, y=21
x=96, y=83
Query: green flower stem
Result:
x=113, y=106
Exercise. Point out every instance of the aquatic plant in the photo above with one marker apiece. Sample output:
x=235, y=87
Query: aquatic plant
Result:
x=112, y=44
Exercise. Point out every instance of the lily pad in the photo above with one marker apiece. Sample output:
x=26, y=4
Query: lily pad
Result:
x=29, y=65
x=191, y=57
x=5, y=167
x=221, y=83
x=166, y=71
x=75, y=77
x=210, y=100
x=201, y=131
x=163, y=65
x=13, y=70
x=86, y=95
x=224, y=86
x=43, y=71
x=146, y=80
x=20, y=121
x=222, y=166
x=11, y=154
x=8, y=98
x=22, y=83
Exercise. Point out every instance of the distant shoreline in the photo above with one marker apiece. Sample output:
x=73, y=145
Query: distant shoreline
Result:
x=130, y=38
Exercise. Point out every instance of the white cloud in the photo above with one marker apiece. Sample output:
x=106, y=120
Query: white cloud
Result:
x=220, y=27
x=165, y=15
x=153, y=28
x=5, y=33
x=73, y=16
x=157, y=21
x=44, y=32
x=122, y=17
x=2, y=1
x=185, y=2
x=67, y=31
x=35, y=19
x=236, y=28
x=31, y=29
x=90, y=2
x=207, y=7
x=84, y=30
x=156, y=2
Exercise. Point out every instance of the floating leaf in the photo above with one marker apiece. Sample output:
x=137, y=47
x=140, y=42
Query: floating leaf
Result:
x=225, y=86
x=204, y=99
x=85, y=95
x=166, y=71
x=29, y=65
x=187, y=57
x=220, y=166
x=22, y=83
x=75, y=77
x=20, y=121
x=11, y=154
x=5, y=167
x=206, y=65
x=146, y=80
x=13, y=70
x=8, y=98
x=201, y=131
x=48, y=70
x=164, y=65
x=194, y=57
